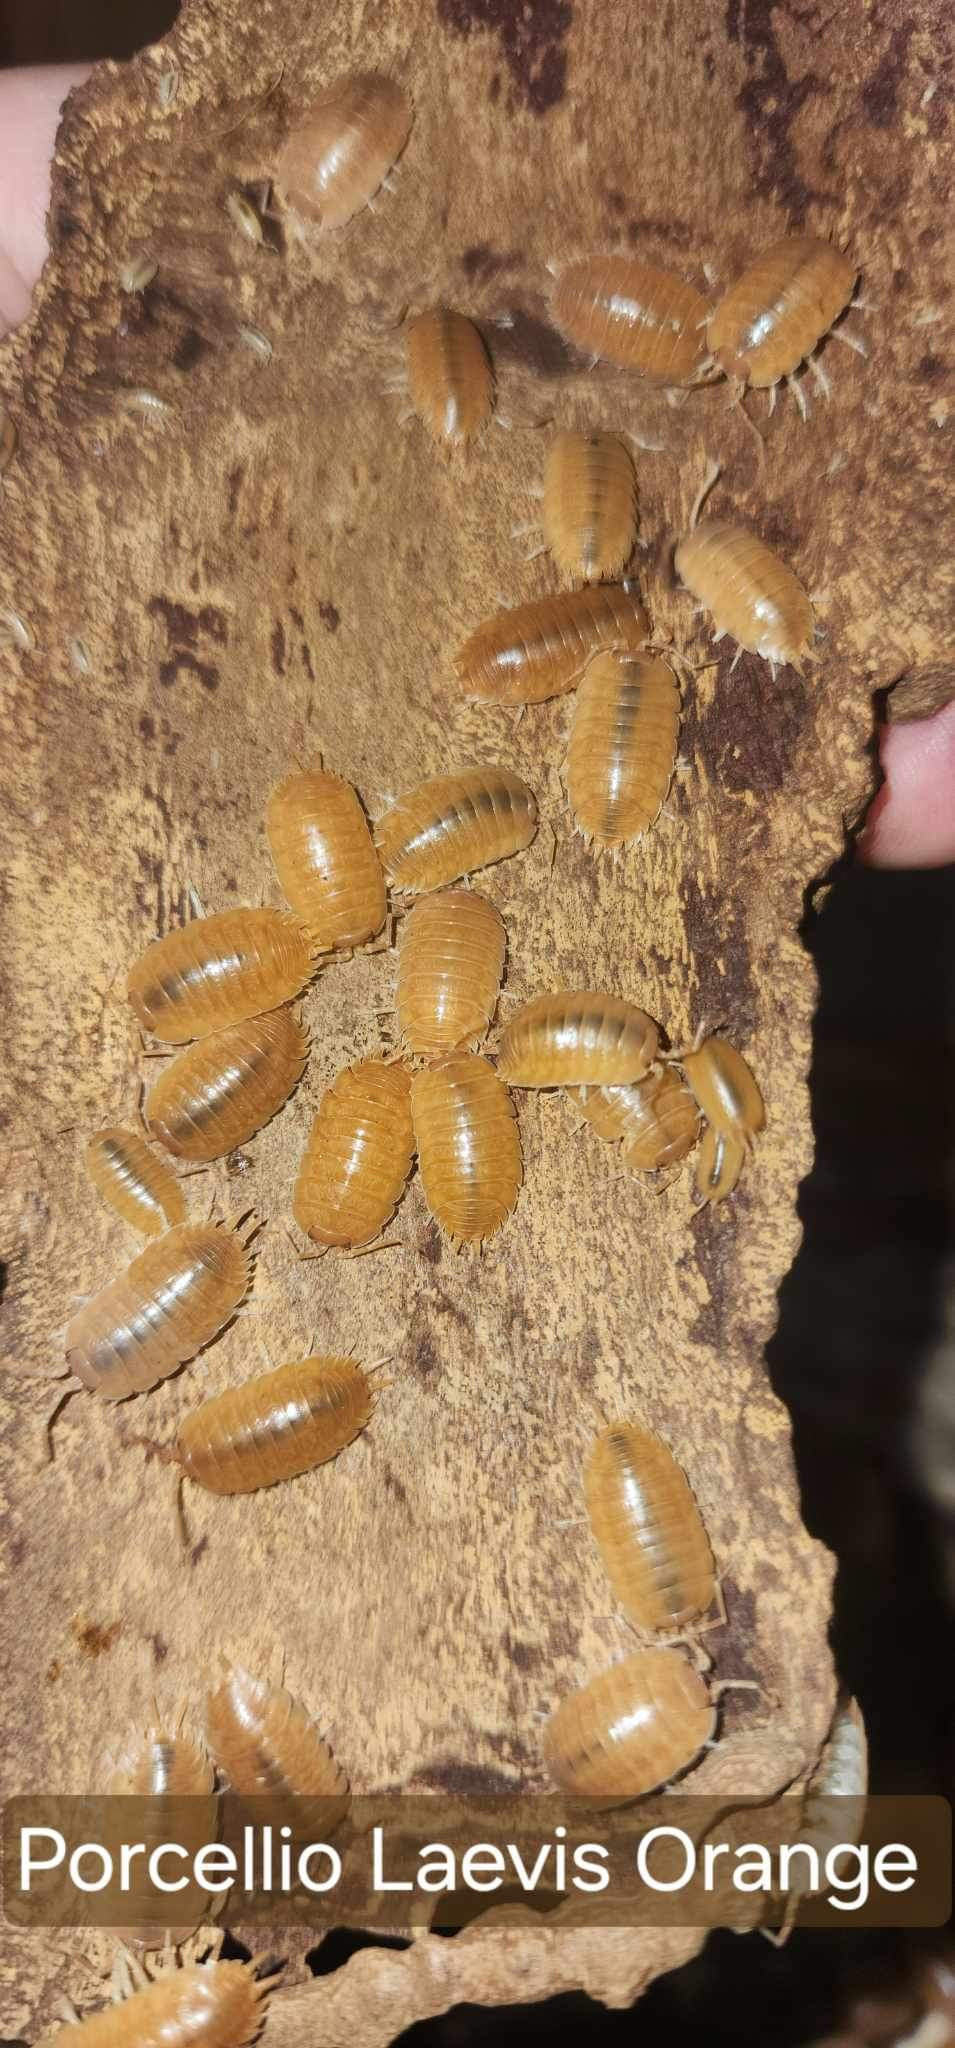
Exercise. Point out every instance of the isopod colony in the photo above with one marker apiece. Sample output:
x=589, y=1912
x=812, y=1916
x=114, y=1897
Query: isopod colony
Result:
x=223, y=989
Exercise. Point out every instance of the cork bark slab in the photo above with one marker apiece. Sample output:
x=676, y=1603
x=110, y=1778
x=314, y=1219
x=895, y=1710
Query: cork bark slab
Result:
x=286, y=564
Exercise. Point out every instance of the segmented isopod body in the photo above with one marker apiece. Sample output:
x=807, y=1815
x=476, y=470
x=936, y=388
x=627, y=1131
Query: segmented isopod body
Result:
x=449, y=374
x=577, y=1037
x=623, y=742
x=773, y=317
x=725, y=1088
x=656, y=1118
x=160, y=1312
x=721, y=1160
x=450, y=963
x=358, y=1157
x=275, y=1426
x=648, y=1529
x=202, y=2005
x=633, y=314
x=630, y=1729
x=269, y=1748
x=451, y=824
x=469, y=1146
x=750, y=592
x=590, y=505
x=219, y=970
x=835, y=1797
x=337, y=157
x=539, y=650
x=325, y=858
x=175, y=1775
x=217, y=1093
x=140, y=1187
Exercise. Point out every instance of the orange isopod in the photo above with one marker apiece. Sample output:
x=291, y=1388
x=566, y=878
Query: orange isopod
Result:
x=217, y=1093
x=338, y=155
x=469, y=1146
x=722, y=1158
x=590, y=505
x=451, y=824
x=656, y=1118
x=636, y=315
x=577, y=1037
x=175, y=1775
x=450, y=963
x=648, y=1528
x=358, y=1156
x=449, y=374
x=630, y=1729
x=623, y=745
x=267, y=1747
x=218, y=970
x=752, y=595
x=202, y=2005
x=325, y=858
x=141, y=1188
x=539, y=650
x=275, y=1426
x=776, y=314
x=170, y=1302
x=725, y=1088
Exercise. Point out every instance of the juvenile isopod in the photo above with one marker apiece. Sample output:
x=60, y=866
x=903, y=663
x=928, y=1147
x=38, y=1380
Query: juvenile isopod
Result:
x=14, y=632
x=267, y=1747
x=358, y=1156
x=577, y=1037
x=451, y=824
x=590, y=505
x=137, y=270
x=469, y=1146
x=170, y=1771
x=623, y=746
x=202, y=2005
x=721, y=1160
x=257, y=343
x=244, y=217
x=219, y=970
x=648, y=1529
x=656, y=1119
x=725, y=1088
x=834, y=1801
x=141, y=1188
x=776, y=314
x=217, y=1093
x=450, y=963
x=635, y=315
x=342, y=150
x=539, y=650
x=630, y=1729
x=170, y=1302
x=752, y=595
x=275, y=1426
x=450, y=379
x=139, y=399
x=325, y=858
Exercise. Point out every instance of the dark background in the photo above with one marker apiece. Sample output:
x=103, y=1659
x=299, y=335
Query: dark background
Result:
x=867, y=1310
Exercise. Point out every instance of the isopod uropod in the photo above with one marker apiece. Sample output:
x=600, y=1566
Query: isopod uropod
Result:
x=539, y=650
x=578, y=1036
x=449, y=374
x=648, y=1528
x=752, y=595
x=173, y=1298
x=325, y=858
x=217, y=1093
x=339, y=154
x=629, y=1729
x=634, y=314
x=276, y=1426
x=623, y=746
x=268, y=1747
x=358, y=1156
x=656, y=1119
x=776, y=314
x=202, y=2005
x=450, y=963
x=141, y=1188
x=451, y=824
x=590, y=505
x=219, y=970
x=469, y=1146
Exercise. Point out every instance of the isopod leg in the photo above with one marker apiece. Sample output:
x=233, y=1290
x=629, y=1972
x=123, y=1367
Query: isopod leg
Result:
x=799, y=396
